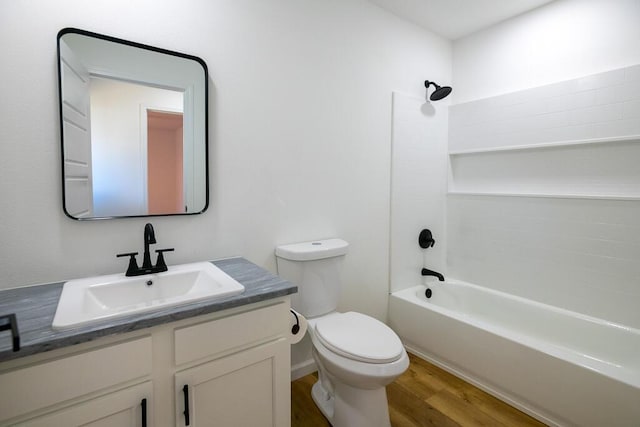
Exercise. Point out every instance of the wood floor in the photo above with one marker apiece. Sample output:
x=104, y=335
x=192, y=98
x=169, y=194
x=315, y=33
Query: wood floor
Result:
x=424, y=395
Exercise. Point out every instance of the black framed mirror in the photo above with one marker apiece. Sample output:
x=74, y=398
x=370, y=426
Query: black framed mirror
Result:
x=134, y=128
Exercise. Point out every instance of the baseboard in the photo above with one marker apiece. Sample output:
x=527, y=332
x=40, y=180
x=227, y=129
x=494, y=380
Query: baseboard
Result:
x=302, y=369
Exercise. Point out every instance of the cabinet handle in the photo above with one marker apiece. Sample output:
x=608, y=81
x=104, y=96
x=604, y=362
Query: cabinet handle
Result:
x=144, y=412
x=185, y=390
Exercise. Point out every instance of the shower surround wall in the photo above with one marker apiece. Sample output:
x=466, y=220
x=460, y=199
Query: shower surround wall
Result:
x=544, y=194
x=418, y=183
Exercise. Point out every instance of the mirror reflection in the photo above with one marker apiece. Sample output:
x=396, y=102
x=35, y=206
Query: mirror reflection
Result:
x=134, y=132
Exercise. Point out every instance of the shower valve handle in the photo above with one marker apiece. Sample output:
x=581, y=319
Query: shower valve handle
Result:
x=425, y=239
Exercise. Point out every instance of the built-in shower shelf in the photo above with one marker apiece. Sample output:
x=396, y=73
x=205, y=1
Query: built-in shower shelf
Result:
x=603, y=168
x=539, y=146
x=546, y=195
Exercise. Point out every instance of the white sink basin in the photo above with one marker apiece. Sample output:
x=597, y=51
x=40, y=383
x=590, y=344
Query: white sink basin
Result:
x=92, y=299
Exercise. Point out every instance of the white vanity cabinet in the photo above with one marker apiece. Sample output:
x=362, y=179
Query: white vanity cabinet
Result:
x=35, y=390
x=229, y=368
x=127, y=407
x=237, y=390
x=241, y=388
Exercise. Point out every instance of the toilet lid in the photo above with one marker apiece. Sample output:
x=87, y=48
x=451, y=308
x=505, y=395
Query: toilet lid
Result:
x=359, y=337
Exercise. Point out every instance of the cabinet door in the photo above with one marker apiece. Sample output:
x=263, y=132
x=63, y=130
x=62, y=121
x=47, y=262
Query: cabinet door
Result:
x=124, y=408
x=249, y=388
x=50, y=384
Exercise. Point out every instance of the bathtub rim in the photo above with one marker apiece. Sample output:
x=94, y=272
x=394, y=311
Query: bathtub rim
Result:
x=560, y=310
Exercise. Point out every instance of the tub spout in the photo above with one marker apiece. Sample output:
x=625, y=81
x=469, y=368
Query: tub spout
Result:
x=427, y=272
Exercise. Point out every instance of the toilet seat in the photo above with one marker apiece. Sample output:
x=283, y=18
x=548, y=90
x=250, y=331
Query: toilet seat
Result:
x=359, y=337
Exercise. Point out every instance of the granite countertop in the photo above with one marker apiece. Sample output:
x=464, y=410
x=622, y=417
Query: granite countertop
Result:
x=35, y=307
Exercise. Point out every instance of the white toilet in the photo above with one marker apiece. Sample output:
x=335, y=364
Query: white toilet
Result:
x=357, y=355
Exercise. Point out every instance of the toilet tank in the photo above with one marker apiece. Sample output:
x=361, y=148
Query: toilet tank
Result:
x=315, y=268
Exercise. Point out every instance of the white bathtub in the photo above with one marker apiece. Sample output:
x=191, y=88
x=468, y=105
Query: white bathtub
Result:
x=561, y=367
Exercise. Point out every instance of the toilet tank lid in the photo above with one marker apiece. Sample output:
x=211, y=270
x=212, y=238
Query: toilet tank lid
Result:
x=317, y=249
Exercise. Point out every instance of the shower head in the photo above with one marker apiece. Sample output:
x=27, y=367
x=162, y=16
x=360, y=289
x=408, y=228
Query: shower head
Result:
x=439, y=93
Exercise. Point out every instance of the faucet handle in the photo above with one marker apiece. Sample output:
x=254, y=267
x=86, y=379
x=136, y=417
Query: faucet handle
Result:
x=160, y=264
x=425, y=239
x=133, y=264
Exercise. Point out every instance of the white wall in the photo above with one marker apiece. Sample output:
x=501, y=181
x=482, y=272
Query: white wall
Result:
x=300, y=118
x=562, y=40
x=572, y=252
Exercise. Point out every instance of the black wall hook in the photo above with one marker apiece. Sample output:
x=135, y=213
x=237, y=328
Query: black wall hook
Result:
x=425, y=239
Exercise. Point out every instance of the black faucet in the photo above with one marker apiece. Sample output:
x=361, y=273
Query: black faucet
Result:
x=147, y=267
x=427, y=272
x=149, y=239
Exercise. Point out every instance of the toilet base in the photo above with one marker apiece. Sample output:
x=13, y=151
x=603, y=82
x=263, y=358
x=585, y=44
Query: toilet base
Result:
x=351, y=407
x=323, y=400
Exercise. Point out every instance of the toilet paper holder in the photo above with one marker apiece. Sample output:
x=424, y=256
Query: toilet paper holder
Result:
x=296, y=328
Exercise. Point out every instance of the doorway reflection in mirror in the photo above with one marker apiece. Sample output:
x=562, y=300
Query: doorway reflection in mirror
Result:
x=127, y=148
